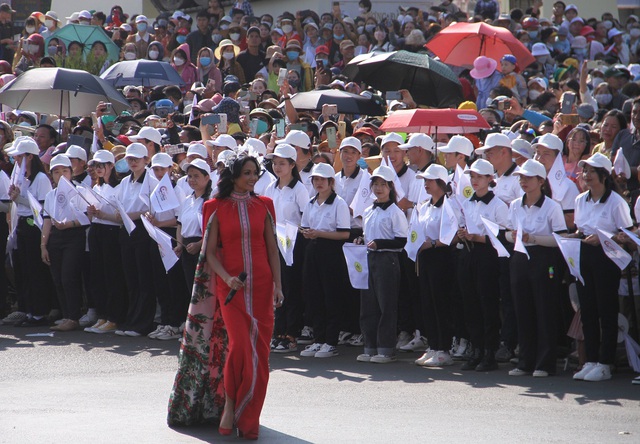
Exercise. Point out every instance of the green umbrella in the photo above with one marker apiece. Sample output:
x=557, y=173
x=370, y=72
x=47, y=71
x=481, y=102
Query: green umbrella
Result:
x=86, y=35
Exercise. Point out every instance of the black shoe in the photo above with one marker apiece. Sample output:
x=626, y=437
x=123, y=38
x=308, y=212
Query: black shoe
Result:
x=474, y=360
x=488, y=363
x=33, y=322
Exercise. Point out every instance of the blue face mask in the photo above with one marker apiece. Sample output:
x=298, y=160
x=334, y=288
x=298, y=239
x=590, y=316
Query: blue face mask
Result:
x=533, y=34
x=142, y=27
x=205, y=61
x=262, y=127
x=362, y=163
x=181, y=39
x=122, y=166
x=293, y=55
x=338, y=37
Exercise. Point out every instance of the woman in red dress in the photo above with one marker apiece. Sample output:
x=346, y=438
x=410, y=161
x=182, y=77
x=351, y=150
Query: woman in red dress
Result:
x=216, y=379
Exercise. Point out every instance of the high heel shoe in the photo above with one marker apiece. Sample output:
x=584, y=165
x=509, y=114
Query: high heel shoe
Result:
x=248, y=435
x=224, y=431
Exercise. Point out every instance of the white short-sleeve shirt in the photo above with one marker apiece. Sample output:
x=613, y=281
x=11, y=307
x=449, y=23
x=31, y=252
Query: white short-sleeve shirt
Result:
x=331, y=215
x=289, y=201
x=109, y=194
x=609, y=214
x=542, y=218
x=39, y=188
x=568, y=201
x=129, y=192
x=429, y=217
x=508, y=186
x=385, y=221
x=190, y=216
x=488, y=206
x=347, y=187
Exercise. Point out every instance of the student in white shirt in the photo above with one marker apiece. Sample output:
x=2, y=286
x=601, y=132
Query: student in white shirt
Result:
x=385, y=234
x=107, y=282
x=479, y=269
x=536, y=280
x=290, y=197
x=599, y=208
x=326, y=224
x=33, y=279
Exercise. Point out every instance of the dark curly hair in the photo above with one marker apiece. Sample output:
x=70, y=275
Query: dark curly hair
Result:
x=232, y=171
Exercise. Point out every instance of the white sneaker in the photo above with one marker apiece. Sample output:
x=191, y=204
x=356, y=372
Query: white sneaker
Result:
x=310, y=350
x=356, y=340
x=132, y=334
x=120, y=333
x=461, y=349
x=425, y=357
x=327, y=351
x=97, y=324
x=383, y=359
x=540, y=373
x=306, y=336
x=439, y=359
x=107, y=327
x=88, y=319
x=157, y=332
x=364, y=357
x=518, y=372
x=169, y=333
x=61, y=321
x=418, y=343
x=454, y=346
x=601, y=372
x=343, y=337
x=586, y=368
x=403, y=339
x=636, y=380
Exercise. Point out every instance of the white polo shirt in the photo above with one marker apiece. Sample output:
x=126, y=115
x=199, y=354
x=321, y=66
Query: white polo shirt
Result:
x=129, y=192
x=109, y=194
x=488, y=206
x=384, y=221
x=76, y=202
x=190, y=216
x=407, y=177
x=184, y=185
x=508, y=186
x=429, y=217
x=305, y=176
x=263, y=182
x=347, y=187
x=331, y=215
x=289, y=201
x=568, y=201
x=542, y=218
x=609, y=214
x=84, y=180
x=417, y=193
x=40, y=186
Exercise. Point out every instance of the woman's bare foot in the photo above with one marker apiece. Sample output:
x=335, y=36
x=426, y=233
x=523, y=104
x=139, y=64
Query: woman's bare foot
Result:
x=226, y=421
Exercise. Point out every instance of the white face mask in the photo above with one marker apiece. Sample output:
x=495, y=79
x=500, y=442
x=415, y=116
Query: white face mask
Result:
x=178, y=61
x=287, y=29
x=30, y=29
x=234, y=36
x=228, y=55
x=603, y=99
x=608, y=24
x=224, y=27
x=634, y=32
x=534, y=94
x=362, y=10
x=153, y=55
x=129, y=55
x=48, y=23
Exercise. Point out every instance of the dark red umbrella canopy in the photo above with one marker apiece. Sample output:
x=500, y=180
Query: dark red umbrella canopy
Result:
x=450, y=121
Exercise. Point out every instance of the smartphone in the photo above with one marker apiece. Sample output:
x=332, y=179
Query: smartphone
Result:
x=158, y=123
x=279, y=128
x=117, y=126
x=222, y=126
x=593, y=64
x=212, y=83
x=172, y=150
x=331, y=110
x=210, y=119
x=108, y=108
x=43, y=119
x=393, y=95
x=299, y=127
x=331, y=137
x=568, y=99
x=282, y=76
x=342, y=129
x=320, y=64
x=253, y=127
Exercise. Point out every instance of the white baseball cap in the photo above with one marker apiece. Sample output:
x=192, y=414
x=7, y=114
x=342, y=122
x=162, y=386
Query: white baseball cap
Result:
x=482, y=167
x=297, y=138
x=392, y=137
x=137, y=150
x=149, y=133
x=522, y=147
x=255, y=147
x=458, y=144
x=384, y=172
x=284, y=151
x=419, y=140
x=60, y=160
x=493, y=140
x=598, y=160
x=141, y=18
x=435, y=172
x=197, y=149
x=323, y=170
x=76, y=152
x=550, y=141
x=531, y=168
x=161, y=160
x=224, y=156
x=353, y=142
x=539, y=49
x=24, y=145
x=201, y=164
x=224, y=140
x=103, y=156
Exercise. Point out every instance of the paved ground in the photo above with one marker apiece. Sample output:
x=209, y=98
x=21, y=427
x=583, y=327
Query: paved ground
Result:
x=83, y=388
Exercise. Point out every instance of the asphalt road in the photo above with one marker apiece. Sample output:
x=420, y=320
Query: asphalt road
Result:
x=85, y=388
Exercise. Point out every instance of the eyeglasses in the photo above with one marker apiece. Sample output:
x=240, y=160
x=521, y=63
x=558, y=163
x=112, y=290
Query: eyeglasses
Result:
x=99, y=165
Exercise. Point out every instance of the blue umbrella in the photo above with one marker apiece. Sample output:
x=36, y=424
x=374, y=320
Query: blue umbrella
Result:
x=142, y=72
x=87, y=35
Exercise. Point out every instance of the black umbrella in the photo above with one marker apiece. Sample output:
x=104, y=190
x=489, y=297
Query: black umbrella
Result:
x=430, y=82
x=142, y=73
x=347, y=103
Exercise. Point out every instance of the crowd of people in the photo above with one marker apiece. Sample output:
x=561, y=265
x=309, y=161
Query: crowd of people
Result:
x=560, y=161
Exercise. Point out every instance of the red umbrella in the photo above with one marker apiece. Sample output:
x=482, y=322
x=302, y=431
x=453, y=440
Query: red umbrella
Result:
x=450, y=121
x=460, y=44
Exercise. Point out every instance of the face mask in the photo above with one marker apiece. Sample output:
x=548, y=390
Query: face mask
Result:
x=217, y=38
x=178, y=61
x=370, y=28
x=224, y=27
x=261, y=127
x=287, y=29
x=533, y=94
x=603, y=99
x=292, y=55
x=400, y=18
x=360, y=29
x=153, y=55
x=122, y=167
x=362, y=163
x=228, y=55
x=533, y=34
x=30, y=29
x=596, y=81
x=129, y=55
x=181, y=39
x=380, y=35
x=205, y=61
x=608, y=24
x=362, y=10
x=338, y=37
x=142, y=27
x=294, y=83
x=634, y=32
x=48, y=23
x=234, y=36
x=52, y=50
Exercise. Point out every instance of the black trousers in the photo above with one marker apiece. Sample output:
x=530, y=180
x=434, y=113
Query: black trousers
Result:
x=189, y=263
x=66, y=254
x=536, y=289
x=456, y=305
x=136, y=264
x=409, y=302
x=4, y=283
x=108, y=284
x=509, y=330
x=35, y=283
x=323, y=280
x=351, y=315
x=169, y=287
x=289, y=317
x=436, y=281
x=599, y=304
x=478, y=277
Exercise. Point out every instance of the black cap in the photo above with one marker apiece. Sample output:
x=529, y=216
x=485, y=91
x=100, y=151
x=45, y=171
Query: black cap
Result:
x=253, y=29
x=5, y=7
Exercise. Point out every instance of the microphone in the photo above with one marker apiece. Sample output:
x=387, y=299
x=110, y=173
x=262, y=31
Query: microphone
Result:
x=243, y=277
